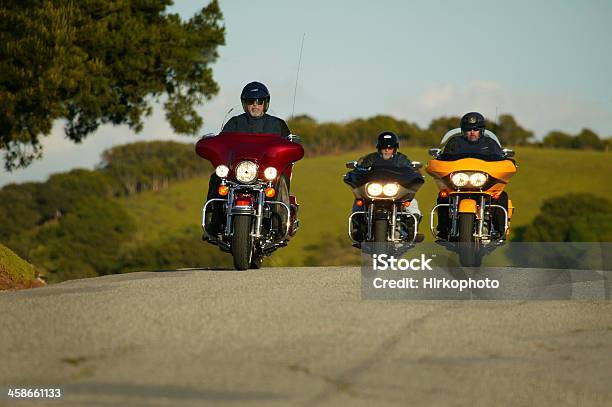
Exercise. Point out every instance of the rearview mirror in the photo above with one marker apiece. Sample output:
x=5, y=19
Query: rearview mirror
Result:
x=351, y=165
x=417, y=165
x=508, y=153
x=295, y=139
x=434, y=152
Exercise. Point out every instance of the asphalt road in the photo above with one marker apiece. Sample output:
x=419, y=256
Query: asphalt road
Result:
x=295, y=337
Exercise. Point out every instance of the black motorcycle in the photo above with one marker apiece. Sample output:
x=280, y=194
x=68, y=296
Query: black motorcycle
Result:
x=383, y=196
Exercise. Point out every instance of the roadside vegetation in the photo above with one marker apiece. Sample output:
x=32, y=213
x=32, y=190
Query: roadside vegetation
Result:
x=15, y=272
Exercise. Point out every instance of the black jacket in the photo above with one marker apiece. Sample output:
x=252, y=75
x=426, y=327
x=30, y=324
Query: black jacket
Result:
x=483, y=147
x=375, y=159
x=265, y=124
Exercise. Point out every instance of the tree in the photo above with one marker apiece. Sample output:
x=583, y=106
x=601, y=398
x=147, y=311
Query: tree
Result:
x=571, y=218
x=588, y=139
x=558, y=139
x=511, y=133
x=84, y=243
x=142, y=166
x=92, y=62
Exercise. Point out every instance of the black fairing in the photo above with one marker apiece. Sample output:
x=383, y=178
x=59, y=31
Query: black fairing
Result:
x=407, y=178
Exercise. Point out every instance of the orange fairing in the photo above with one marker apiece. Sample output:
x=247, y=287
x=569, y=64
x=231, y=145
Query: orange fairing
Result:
x=500, y=170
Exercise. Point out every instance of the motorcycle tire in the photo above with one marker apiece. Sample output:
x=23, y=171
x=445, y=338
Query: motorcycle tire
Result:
x=380, y=230
x=467, y=248
x=242, y=246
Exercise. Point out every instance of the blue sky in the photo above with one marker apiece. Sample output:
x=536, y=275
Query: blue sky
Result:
x=546, y=62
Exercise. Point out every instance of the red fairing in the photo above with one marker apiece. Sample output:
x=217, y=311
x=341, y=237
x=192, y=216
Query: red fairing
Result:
x=267, y=150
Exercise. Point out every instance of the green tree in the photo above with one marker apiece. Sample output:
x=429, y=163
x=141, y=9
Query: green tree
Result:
x=92, y=62
x=18, y=209
x=511, y=133
x=63, y=192
x=558, y=139
x=588, y=139
x=84, y=243
x=142, y=166
x=571, y=218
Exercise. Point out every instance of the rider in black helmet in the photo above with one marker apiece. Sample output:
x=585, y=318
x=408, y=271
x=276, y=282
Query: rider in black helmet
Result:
x=386, y=154
x=255, y=100
x=472, y=141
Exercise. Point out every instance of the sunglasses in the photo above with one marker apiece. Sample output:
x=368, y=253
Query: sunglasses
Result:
x=474, y=129
x=259, y=102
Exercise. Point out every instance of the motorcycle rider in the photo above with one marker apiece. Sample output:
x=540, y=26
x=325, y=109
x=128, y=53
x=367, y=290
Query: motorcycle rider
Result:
x=255, y=99
x=386, y=155
x=472, y=142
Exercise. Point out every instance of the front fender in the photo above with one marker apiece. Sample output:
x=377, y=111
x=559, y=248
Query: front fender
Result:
x=467, y=206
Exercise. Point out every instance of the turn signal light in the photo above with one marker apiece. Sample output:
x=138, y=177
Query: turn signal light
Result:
x=360, y=202
x=443, y=194
x=223, y=190
x=406, y=204
x=270, y=192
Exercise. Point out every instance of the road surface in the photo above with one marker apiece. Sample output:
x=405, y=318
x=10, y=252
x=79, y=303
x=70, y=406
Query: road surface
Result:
x=303, y=336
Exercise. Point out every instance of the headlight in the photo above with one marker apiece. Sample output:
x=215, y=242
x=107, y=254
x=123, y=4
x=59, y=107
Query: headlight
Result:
x=270, y=173
x=460, y=179
x=374, y=189
x=478, y=179
x=246, y=171
x=222, y=171
x=390, y=189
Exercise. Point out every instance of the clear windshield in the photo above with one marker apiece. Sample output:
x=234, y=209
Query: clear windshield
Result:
x=457, y=132
x=456, y=147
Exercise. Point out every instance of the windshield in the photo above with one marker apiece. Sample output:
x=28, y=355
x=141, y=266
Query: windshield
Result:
x=457, y=132
x=456, y=147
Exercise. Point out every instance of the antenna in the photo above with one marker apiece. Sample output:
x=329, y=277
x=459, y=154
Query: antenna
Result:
x=297, y=75
x=496, y=122
x=225, y=117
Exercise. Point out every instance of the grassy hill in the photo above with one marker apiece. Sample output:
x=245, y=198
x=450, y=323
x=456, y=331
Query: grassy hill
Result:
x=14, y=271
x=325, y=201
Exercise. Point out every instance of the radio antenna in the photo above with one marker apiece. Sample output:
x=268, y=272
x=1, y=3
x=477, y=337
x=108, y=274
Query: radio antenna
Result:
x=297, y=76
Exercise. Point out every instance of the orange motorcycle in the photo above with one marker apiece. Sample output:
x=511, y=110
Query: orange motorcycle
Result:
x=470, y=189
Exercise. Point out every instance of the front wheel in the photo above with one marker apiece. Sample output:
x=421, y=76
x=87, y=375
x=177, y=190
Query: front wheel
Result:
x=380, y=230
x=467, y=248
x=242, y=245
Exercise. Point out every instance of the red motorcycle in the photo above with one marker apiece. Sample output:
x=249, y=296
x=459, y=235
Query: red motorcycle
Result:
x=250, y=166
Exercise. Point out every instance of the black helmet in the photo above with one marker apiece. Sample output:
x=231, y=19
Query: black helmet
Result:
x=387, y=139
x=255, y=90
x=472, y=120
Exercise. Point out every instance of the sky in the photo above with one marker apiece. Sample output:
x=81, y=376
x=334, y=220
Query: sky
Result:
x=548, y=63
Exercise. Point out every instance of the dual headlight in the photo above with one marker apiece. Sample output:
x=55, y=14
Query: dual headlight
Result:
x=246, y=172
x=462, y=179
x=388, y=190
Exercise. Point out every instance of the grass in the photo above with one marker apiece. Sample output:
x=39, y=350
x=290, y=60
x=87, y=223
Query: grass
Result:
x=325, y=201
x=14, y=271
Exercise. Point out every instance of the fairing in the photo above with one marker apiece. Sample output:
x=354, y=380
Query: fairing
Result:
x=408, y=179
x=499, y=173
x=267, y=150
